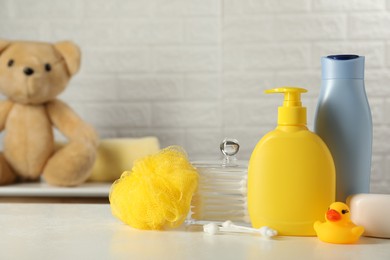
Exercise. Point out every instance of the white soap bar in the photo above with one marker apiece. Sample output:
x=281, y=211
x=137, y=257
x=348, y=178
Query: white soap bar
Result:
x=372, y=211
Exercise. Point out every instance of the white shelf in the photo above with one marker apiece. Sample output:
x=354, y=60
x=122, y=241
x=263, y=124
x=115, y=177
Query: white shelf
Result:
x=42, y=189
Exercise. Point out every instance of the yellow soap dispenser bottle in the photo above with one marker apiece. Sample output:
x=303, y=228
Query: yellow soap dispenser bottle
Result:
x=291, y=174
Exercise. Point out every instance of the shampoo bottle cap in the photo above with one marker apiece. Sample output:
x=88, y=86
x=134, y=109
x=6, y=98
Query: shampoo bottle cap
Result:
x=292, y=112
x=344, y=66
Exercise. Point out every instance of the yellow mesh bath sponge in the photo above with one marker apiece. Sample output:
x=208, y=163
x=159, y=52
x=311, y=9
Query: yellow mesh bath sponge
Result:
x=157, y=192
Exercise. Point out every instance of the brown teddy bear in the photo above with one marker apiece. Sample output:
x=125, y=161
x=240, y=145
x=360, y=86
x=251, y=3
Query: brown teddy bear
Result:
x=32, y=74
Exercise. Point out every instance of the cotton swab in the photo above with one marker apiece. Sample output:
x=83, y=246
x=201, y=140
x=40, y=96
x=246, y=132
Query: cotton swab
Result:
x=228, y=226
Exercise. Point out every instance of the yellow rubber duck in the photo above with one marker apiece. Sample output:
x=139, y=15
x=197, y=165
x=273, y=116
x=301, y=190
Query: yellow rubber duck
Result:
x=338, y=227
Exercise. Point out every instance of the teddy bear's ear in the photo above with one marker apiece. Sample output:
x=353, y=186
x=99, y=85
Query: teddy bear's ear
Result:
x=71, y=53
x=3, y=45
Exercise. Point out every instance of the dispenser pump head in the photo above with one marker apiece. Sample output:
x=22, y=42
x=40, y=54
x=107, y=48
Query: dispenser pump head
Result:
x=292, y=112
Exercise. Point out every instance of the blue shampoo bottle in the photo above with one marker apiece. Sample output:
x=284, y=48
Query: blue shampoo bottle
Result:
x=343, y=121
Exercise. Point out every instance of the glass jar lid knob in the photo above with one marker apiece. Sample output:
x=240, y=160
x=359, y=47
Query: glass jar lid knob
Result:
x=229, y=147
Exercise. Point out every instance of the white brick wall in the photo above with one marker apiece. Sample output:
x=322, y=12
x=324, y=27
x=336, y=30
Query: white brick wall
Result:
x=193, y=71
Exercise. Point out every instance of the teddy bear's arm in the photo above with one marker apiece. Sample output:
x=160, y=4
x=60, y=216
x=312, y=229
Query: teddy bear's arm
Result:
x=5, y=108
x=69, y=123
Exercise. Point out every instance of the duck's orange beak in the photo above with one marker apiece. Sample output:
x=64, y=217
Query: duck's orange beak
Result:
x=333, y=215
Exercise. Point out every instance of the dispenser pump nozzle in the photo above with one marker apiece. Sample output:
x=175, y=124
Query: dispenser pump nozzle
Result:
x=292, y=112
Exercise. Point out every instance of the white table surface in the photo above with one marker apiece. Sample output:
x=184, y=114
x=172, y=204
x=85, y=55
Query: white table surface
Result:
x=89, y=231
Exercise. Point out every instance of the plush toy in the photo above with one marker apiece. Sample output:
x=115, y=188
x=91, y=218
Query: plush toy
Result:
x=32, y=74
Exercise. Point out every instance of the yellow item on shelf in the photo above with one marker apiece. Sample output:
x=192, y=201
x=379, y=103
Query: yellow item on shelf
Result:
x=291, y=174
x=338, y=228
x=156, y=194
x=116, y=155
